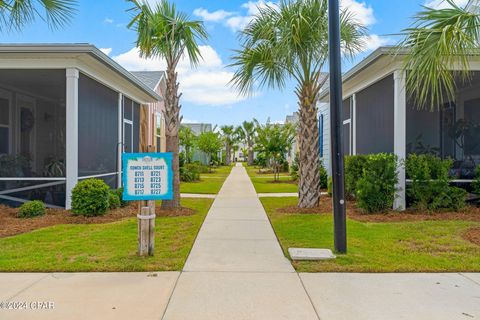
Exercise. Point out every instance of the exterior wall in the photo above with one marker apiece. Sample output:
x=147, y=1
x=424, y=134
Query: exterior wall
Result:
x=324, y=110
x=155, y=110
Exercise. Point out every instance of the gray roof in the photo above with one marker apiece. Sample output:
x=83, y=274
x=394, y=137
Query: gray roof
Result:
x=79, y=48
x=150, y=78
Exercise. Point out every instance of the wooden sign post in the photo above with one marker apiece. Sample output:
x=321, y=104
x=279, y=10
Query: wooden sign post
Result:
x=147, y=177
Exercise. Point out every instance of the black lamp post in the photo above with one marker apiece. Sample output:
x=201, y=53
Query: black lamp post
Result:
x=339, y=214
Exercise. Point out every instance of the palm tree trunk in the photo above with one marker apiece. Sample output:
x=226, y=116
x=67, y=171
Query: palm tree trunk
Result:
x=228, y=154
x=250, y=153
x=309, y=156
x=172, y=125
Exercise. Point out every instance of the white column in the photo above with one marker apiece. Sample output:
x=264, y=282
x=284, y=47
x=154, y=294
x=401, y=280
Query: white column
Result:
x=72, y=134
x=400, y=136
x=354, y=124
x=120, y=140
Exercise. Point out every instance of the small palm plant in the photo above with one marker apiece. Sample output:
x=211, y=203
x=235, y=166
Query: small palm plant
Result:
x=15, y=14
x=439, y=41
x=167, y=34
x=290, y=41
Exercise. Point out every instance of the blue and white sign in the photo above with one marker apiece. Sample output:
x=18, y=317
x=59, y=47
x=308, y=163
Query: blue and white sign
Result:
x=147, y=176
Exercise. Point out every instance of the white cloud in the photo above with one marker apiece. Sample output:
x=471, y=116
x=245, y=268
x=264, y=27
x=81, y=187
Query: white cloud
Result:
x=214, y=16
x=107, y=51
x=374, y=41
x=208, y=84
x=108, y=20
x=442, y=4
x=361, y=11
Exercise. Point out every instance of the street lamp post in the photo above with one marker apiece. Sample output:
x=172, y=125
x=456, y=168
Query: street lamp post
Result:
x=339, y=214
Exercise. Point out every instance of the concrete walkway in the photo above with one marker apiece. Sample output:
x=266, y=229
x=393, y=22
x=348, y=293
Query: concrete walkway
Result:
x=236, y=269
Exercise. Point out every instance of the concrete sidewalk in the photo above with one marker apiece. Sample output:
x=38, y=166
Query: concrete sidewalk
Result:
x=237, y=270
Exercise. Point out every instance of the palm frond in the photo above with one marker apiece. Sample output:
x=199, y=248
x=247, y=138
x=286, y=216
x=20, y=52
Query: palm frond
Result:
x=15, y=14
x=439, y=41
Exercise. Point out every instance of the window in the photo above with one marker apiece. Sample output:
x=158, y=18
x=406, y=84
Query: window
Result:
x=158, y=130
x=128, y=125
x=320, y=135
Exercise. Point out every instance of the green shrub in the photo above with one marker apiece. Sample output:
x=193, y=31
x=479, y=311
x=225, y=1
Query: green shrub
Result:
x=90, y=198
x=113, y=200
x=187, y=175
x=430, y=187
x=354, y=166
x=119, y=192
x=32, y=209
x=197, y=167
x=476, y=182
x=375, y=189
x=323, y=177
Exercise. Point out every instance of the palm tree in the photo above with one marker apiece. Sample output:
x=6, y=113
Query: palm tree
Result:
x=15, y=14
x=246, y=133
x=438, y=40
x=165, y=33
x=290, y=41
x=228, y=133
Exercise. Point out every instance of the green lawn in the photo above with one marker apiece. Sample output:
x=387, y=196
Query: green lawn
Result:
x=210, y=183
x=425, y=246
x=264, y=183
x=104, y=247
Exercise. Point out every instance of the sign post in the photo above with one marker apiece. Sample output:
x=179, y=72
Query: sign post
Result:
x=147, y=176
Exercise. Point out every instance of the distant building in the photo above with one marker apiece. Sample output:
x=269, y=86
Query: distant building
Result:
x=197, y=129
x=293, y=119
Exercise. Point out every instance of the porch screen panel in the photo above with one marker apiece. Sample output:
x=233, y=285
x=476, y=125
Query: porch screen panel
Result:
x=374, y=117
x=346, y=108
x=32, y=123
x=97, y=128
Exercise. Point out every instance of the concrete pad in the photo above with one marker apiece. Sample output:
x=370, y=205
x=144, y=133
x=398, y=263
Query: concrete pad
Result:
x=115, y=296
x=393, y=296
x=237, y=256
x=236, y=214
x=242, y=296
x=475, y=277
x=305, y=254
x=13, y=283
x=236, y=229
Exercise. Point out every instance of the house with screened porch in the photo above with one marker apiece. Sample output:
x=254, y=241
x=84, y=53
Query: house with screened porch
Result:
x=378, y=116
x=67, y=113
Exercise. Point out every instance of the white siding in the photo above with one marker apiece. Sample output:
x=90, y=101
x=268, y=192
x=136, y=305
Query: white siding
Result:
x=324, y=109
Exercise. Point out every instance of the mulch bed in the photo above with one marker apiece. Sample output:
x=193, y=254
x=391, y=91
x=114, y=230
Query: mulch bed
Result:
x=469, y=213
x=473, y=235
x=10, y=225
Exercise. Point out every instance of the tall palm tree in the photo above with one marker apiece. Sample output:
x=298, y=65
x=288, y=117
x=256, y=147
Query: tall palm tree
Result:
x=165, y=33
x=15, y=14
x=438, y=40
x=246, y=133
x=290, y=41
x=228, y=133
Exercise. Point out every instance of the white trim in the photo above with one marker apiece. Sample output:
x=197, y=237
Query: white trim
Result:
x=120, y=140
x=32, y=179
x=399, y=136
x=354, y=124
x=98, y=175
x=37, y=186
x=454, y=180
x=348, y=121
x=72, y=134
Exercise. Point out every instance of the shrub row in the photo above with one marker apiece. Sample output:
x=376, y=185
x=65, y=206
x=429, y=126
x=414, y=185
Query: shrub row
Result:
x=93, y=197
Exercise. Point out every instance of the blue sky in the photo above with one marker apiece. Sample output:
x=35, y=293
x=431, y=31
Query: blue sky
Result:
x=206, y=97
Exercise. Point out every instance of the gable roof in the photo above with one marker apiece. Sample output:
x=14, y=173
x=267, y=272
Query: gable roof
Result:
x=150, y=78
x=74, y=50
